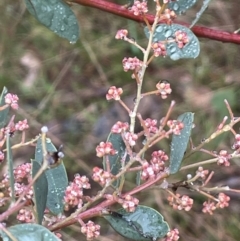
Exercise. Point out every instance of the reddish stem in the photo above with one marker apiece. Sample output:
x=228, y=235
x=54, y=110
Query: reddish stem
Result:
x=123, y=12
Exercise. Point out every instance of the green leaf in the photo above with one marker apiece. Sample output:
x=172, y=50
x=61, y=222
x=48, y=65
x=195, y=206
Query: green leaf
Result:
x=57, y=16
x=29, y=232
x=56, y=177
x=57, y=183
x=3, y=113
x=144, y=224
x=116, y=160
x=181, y=6
x=179, y=142
x=165, y=32
x=40, y=188
x=10, y=167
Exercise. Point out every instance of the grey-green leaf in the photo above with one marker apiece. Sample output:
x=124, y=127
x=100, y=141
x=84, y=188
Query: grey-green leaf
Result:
x=3, y=113
x=57, y=183
x=165, y=32
x=180, y=6
x=57, y=16
x=116, y=160
x=143, y=225
x=56, y=177
x=10, y=167
x=29, y=232
x=40, y=188
x=179, y=142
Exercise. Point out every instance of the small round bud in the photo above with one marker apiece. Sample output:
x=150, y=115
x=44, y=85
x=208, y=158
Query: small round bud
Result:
x=189, y=176
x=44, y=129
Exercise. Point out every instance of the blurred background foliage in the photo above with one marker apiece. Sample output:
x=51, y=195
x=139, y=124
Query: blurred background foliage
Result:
x=63, y=86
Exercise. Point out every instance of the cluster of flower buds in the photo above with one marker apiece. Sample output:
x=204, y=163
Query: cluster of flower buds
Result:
x=168, y=15
x=91, y=230
x=129, y=203
x=202, y=173
x=74, y=192
x=156, y=165
x=22, y=125
x=209, y=207
x=180, y=203
x=22, y=172
x=121, y=34
x=151, y=125
x=159, y=158
x=164, y=89
x=223, y=158
x=10, y=130
x=101, y=176
x=12, y=100
x=223, y=201
x=181, y=38
x=159, y=49
x=139, y=7
x=130, y=138
x=25, y=215
x=22, y=176
x=176, y=126
x=131, y=64
x=105, y=149
x=172, y=235
x=114, y=93
x=120, y=127
x=20, y=188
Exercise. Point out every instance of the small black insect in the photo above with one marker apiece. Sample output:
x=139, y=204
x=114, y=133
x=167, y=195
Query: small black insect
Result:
x=55, y=158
